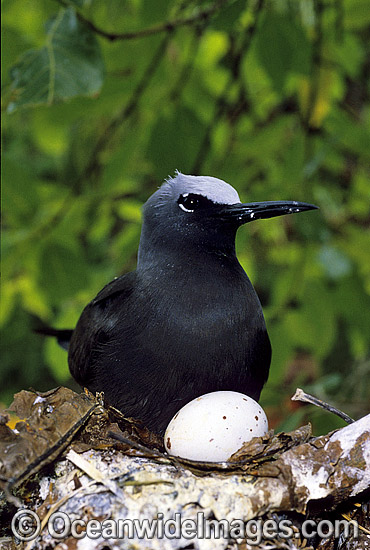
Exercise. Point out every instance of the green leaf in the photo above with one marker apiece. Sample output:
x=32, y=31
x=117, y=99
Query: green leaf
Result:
x=70, y=64
x=56, y=359
x=153, y=12
x=62, y=272
x=351, y=134
x=282, y=343
x=350, y=54
x=183, y=127
x=19, y=194
x=55, y=356
x=227, y=17
x=21, y=356
x=334, y=262
x=282, y=48
x=79, y=3
x=129, y=210
x=312, y=326
x=356, y=14
x=292, y=421
x=353, y=304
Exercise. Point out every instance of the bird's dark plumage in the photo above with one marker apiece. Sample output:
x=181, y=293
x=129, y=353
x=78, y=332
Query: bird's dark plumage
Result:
x=188, y=320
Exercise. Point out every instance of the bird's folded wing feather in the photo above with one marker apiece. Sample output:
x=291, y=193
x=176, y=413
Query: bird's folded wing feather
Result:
x=121, y=285
x=95, y=326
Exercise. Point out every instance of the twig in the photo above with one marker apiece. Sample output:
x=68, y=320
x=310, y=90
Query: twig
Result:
x=165, y=26
x=349, y=519
x=300, y=395
x=188, y=67
x=138, y=446
x=90, y=469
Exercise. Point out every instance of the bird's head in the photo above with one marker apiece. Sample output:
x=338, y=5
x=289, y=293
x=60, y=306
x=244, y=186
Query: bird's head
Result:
x=201, y=213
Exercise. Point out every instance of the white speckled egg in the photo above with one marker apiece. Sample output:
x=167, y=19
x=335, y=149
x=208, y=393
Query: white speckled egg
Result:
x=214, y=426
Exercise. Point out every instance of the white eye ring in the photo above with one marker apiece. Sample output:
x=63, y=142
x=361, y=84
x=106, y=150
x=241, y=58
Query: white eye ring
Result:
x=183, y=207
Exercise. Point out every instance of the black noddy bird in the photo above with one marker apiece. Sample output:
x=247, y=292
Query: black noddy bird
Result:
x=187, y=321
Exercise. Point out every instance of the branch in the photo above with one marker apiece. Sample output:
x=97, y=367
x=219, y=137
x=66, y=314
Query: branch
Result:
x=165, y=26
x=45, y=227
x=188, y=67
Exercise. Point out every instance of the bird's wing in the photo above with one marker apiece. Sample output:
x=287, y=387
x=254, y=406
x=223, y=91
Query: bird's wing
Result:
x=95, y=326
x=119, y=286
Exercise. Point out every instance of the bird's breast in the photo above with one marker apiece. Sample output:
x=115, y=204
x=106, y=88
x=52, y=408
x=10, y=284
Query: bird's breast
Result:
x=193, y=316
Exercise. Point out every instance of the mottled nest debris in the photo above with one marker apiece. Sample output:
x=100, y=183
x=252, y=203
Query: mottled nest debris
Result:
x=69, y=453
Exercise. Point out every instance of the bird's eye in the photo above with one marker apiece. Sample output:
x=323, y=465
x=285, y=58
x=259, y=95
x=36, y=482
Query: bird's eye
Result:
x=190, y=202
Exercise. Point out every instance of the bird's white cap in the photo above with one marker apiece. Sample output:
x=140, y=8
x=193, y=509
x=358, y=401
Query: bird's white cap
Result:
x=213, y=189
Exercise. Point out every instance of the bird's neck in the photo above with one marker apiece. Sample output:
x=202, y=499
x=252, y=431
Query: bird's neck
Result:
x=159, y=248
x=189, y=263
x=200, y=285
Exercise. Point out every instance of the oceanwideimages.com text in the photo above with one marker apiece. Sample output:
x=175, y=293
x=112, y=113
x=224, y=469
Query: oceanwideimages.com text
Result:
x=27, y=526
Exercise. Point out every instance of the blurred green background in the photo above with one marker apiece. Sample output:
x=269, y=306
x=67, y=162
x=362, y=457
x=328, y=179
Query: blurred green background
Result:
x=103, y=100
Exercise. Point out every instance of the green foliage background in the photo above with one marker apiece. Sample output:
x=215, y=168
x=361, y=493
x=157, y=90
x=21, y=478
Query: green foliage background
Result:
x=103, y=100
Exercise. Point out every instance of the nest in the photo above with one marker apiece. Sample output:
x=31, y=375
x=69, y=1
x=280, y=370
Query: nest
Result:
x=69, y=459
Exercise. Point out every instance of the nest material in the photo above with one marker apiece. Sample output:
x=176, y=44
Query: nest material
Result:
x=69, y=454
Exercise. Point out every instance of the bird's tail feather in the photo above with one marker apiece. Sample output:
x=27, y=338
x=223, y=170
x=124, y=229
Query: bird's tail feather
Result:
x=63, y=336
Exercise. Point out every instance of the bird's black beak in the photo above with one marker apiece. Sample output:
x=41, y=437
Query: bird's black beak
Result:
x=247, y=212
